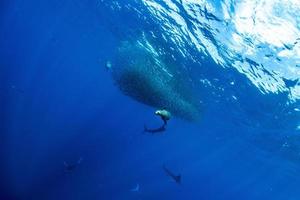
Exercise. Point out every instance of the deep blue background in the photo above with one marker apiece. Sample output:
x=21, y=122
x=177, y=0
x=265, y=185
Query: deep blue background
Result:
x=59, y=103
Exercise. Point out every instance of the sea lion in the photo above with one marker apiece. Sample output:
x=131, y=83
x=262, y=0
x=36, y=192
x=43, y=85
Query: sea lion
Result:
x=164, y=114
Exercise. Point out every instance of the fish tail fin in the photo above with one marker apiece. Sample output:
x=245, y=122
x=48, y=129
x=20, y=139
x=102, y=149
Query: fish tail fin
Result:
x=178, y=179
x=145, y=129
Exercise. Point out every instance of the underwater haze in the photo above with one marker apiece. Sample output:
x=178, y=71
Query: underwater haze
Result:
x=81, y=81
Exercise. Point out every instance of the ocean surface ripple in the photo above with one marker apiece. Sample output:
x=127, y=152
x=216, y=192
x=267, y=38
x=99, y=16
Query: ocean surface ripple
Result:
x=216, y=40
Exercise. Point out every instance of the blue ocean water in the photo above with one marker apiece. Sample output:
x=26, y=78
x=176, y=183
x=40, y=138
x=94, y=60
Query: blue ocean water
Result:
x=69, y=132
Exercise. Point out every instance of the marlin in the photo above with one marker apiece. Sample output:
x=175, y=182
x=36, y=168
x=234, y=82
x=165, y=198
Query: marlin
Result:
x=155, y=130
x=176, y=178
x=136, y=189
x=71, y=166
